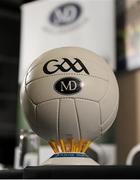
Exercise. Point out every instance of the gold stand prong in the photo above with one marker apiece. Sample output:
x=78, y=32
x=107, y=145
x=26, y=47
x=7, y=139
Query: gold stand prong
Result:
x=69, y=145
x=86, y=146
x=62, y=145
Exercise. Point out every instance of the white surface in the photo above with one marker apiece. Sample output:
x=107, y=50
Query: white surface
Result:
x=94, y=29
x=106, y=154
x=133, y=62
x=17, y=158
x=110, y=154
x=70, y=161
x=30, y=159
x=45, y=153
x=131, y=154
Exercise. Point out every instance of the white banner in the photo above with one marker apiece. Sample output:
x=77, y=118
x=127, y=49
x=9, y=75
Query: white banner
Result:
x=48, y=24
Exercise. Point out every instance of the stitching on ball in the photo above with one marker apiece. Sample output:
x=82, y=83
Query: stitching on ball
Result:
x=65, y=74
x=77, y=98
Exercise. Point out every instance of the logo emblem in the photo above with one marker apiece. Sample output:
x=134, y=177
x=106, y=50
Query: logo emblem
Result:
x=68, y=85
x=65, y=14
x=65, y=66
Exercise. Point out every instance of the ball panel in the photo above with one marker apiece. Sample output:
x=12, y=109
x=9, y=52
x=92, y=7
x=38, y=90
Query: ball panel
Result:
x=68, y=120
x=109, y=121
x=89, y=118
x=47, y=119
x=110, y=99
x=43, y=89
x=28, y=107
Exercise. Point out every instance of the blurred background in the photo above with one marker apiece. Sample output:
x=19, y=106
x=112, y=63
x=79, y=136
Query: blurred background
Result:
x=111, y=28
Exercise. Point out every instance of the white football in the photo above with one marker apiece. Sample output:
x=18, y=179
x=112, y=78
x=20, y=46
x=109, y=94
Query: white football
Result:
x=70, y=92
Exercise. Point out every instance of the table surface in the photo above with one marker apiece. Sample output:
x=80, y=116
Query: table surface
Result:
x=54, y=172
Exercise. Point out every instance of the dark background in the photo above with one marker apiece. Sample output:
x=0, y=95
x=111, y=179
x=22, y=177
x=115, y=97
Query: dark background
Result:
x=9, y=63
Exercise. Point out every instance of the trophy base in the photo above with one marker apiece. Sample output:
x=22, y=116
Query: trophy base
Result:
x=70, y=159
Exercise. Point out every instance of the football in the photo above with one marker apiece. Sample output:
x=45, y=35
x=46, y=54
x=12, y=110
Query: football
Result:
x=70, y=92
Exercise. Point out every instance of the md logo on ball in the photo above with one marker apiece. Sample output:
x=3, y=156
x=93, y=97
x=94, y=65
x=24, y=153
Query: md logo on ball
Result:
x=65, y=14
x=68, y=85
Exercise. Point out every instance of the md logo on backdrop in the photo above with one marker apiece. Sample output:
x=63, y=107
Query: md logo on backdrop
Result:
x=65, y=17
x=65, y=14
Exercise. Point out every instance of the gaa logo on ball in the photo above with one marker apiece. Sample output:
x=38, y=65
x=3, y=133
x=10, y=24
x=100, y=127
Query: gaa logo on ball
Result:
x=65, y=14
x=56, y=66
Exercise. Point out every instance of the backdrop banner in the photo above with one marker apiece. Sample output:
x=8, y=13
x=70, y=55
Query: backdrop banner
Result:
x=48, y=24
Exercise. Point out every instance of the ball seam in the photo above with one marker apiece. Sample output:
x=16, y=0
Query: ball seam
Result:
x=67, y=98
x=78, y=121
x=66, y=74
